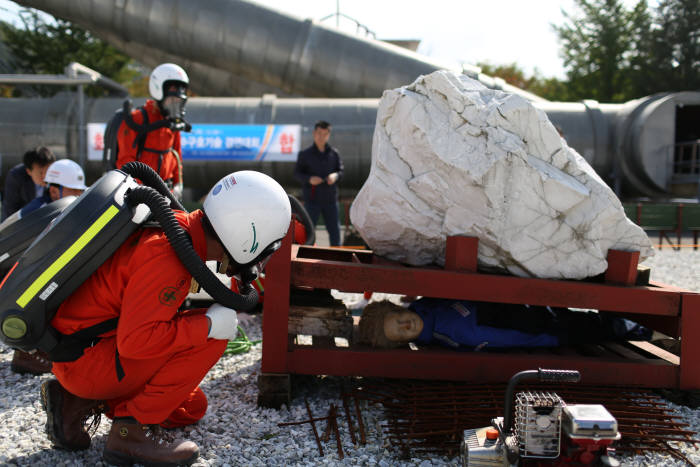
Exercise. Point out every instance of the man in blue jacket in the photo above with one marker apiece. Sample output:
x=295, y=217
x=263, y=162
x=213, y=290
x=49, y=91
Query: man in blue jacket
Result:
x=319, y=168
x=25, y=181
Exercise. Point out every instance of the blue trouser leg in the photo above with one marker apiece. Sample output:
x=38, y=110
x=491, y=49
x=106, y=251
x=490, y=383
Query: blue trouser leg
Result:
x=330, y=216
x=314, y=211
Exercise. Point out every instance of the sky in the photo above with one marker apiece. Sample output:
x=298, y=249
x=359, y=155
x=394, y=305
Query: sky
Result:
x=451, y=31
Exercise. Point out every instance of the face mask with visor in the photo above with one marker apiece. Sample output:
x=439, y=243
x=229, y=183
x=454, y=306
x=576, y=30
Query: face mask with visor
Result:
x=248, y=272
x=174, y=100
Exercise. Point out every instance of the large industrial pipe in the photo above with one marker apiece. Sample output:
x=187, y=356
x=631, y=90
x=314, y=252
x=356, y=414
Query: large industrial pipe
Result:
x=629, y=145
x=298, y=57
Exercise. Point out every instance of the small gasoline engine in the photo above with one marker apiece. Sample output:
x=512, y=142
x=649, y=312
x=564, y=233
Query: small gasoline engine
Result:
x=535, y=437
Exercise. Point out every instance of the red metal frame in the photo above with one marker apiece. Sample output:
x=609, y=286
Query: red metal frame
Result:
x=671, y=310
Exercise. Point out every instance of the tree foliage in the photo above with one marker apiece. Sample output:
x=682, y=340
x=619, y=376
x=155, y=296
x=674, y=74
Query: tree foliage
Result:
x=549, y=88
x=675, y=44
x=613, y=54
x=45, y=45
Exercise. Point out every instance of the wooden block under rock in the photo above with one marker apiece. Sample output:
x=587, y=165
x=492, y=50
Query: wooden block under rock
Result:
x=320, y=321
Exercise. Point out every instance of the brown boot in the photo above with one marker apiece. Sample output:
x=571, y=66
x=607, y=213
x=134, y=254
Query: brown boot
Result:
x=66, y=416
x=35, y=363
x=130, y=442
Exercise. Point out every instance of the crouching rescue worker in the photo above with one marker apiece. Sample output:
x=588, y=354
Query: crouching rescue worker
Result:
x=151, y=134
x=145, y=374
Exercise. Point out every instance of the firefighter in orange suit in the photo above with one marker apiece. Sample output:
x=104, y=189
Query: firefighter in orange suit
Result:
x=145, y=374
x=151, y=134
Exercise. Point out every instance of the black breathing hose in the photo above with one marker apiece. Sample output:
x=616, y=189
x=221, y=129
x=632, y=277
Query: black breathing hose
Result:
x=182, y=245
x=151, y=178
x=303, y=216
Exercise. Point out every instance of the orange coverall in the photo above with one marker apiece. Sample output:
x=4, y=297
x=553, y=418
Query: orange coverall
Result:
x=161, y=139
x=164, y=354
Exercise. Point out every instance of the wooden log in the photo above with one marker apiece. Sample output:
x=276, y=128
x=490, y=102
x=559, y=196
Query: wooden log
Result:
x=321, y=312
x=313, y=326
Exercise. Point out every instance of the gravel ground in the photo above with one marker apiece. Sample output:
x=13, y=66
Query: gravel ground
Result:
x=236, y=432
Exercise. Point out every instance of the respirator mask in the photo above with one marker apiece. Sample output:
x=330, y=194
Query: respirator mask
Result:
x=173, y=104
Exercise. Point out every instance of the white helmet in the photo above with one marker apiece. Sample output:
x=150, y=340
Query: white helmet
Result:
x=66, y=173
x=162, y=73
x=249, y=212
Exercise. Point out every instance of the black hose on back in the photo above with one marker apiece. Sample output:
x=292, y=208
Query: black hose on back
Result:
x=303, y=216
x=182, y=245
x=151, y=178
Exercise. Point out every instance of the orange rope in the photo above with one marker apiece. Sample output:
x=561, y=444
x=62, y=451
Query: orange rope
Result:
x=675, y=245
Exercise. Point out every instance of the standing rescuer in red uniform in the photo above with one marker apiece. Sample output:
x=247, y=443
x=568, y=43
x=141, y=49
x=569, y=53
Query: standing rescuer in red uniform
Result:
x=159, y=145
x=145, y=374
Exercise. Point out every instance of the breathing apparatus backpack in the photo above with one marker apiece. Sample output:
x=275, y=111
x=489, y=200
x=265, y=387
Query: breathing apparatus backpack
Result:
x=15, y=237
x=110, y=153
x=77, y=242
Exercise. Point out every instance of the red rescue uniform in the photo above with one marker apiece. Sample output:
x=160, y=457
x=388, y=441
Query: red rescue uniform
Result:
x=148, y=368
x=162, y=140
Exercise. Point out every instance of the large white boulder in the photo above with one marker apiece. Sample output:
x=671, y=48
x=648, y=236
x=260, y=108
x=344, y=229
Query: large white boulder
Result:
x=451, y=157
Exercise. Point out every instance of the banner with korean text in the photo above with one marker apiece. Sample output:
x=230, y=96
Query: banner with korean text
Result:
x=241, y=142
x=223, y=142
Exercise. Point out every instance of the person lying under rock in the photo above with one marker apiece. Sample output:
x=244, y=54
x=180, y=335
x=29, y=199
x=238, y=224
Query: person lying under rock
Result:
x=476, y=325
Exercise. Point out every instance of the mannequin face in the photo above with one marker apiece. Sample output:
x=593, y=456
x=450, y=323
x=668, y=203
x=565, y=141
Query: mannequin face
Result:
x=402, y=326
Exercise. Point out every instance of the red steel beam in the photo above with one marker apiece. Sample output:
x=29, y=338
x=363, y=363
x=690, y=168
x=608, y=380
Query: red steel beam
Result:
x=276, y=308
x=351, y=277
x=475, y=366
x=690, y=342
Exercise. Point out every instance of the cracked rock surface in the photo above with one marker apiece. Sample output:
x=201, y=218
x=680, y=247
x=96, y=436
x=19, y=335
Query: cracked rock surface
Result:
x=452, y=157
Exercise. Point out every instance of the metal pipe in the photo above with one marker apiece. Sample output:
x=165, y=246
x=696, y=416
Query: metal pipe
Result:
x=604, y=134
x=299, y=57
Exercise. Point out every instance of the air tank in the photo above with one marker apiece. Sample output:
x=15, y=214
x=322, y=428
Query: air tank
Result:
x=630, y=145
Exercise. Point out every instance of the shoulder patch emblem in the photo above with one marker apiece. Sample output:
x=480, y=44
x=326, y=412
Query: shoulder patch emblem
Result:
x=168, y=296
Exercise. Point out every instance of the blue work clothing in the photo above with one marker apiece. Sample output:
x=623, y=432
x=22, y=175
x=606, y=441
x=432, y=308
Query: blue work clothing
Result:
x=312, y=162
x=35, y=204
x=455, y=323
x=321, y=199
x=330, y=217
x=19, y=190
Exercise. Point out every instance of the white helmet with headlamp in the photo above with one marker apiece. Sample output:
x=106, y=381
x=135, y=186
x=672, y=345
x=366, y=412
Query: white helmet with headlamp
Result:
x=250, y=213
x=168, y=86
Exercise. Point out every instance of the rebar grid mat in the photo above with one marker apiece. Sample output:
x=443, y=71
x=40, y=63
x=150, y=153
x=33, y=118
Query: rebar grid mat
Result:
x=429, y=417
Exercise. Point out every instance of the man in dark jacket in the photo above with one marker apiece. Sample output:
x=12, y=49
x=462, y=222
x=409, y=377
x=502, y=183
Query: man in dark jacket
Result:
x=25, y=181
x=319, y=168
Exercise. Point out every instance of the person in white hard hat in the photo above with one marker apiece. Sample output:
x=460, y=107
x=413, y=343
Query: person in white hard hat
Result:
x=145, y=373
x=151, y=133
x=63, y=178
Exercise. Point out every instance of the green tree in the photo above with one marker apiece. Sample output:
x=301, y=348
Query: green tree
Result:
x=43, y=44
x=675, y=45
x=595, y=46
x=548, y=88
x=640, y=63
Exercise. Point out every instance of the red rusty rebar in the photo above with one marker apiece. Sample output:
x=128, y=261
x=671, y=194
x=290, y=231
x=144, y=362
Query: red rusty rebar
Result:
x=313, y=426
x=349, y=419
x=337, y=434
x=420, y=412
x=360, y=423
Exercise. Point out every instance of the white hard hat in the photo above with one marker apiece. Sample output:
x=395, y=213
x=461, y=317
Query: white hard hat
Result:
x=66, y=173
x=249, y=212
x=162, y=73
